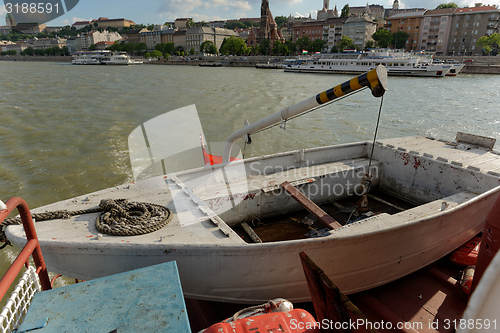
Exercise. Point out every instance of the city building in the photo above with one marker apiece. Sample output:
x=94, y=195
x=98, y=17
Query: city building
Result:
x=196, y=36
x=468, y=25
x=80, y=24
x=30, y=28
x=74, y=44
x=435, y=30
x=396, y=10
x=287, y=33
x=180, y=39
x=217, y=24
x=334, y=30
x=410, y=23
x=268, y=29
x=373, y=12
x=134, y=36
x=311, y=29
x=151, y=38
x=181, y=23
x=360, y=30
x=10, y=21
x=326, y=13
x=18, y=46
x=46, y=43
x=103, y=45
x=93, y=37
x=3, y=45
x=104, y=22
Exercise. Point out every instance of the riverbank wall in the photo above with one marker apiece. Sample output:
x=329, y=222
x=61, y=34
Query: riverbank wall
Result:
x=479, y=65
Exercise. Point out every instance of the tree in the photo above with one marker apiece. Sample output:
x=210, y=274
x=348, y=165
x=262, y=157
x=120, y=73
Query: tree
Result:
x=284, y=50
x=447, y=5
x=318, y=45
x=205, y=46
x=276, y=48
x=192, y=51
x=190, y=23
x=141, y=47
x=400, y=39
x=212, y=49
x=233, y=45
x=345, y=11
x=156, y=54
x=383, y=38
x=161, y=47
x=169, y=48
x=265, y=47
x=369, y=45
x=128, y=47
x=345, y=43
x=489, y=43
x=281, y=20
x=92, y=47
x=29, y=51
x=180, y=49
x=334, y=49
x=303, y=43
x=150, y=27
x=147, y=55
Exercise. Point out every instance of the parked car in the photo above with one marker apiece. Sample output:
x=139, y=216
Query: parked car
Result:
x=468, y=61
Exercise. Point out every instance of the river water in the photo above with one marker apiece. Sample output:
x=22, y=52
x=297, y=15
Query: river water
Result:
x=64, y=129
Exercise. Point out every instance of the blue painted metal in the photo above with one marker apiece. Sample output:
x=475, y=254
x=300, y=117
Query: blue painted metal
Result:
x=145, y=300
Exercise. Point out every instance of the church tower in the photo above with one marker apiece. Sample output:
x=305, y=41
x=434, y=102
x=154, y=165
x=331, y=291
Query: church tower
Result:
x=326, y=4
x=9, y=19
x=264, y=21
x=395, y=5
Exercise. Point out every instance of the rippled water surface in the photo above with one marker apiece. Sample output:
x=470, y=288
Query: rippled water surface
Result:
x=64, y=128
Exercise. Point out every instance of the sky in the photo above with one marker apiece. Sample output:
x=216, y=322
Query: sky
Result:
x=161, y=11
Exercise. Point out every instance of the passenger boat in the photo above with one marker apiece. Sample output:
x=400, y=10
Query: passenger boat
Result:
x=456, y=67
x=397, y=62
x=104, y=57
x=85, y=58
x=372, y=212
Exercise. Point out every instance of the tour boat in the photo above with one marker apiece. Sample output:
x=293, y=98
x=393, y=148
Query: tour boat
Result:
x=104, y=57
x=397, y=62
x=368, y=212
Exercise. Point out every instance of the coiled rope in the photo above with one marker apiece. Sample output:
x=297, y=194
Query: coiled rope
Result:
x=119, y=217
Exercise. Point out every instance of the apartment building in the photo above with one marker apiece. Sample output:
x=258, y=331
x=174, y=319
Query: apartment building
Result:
x=333, y=27
x=407, y=22
x=435, y=30
x=359, y=29
x=311, y=29
x=468, y=25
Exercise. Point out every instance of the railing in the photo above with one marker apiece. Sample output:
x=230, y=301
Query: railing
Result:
x=32, y=247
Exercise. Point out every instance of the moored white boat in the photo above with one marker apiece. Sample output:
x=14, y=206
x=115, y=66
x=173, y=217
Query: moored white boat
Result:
x=396, y=62
x=427, y=198
x=104, y=57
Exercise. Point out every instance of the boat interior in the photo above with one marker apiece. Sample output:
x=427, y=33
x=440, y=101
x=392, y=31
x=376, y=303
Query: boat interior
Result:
x=411, y=175
x=302, y=224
